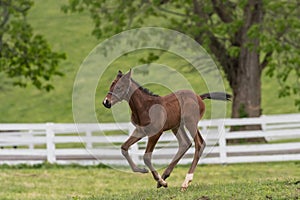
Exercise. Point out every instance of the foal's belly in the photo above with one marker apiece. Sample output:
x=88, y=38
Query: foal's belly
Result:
x=173, y=115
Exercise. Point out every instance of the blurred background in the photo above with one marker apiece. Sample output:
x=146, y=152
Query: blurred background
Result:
x=43, y=44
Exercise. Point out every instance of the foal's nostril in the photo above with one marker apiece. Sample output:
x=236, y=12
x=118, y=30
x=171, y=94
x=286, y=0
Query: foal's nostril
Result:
x=106, y=103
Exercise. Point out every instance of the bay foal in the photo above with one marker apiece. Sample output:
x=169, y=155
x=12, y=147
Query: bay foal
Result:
x=153, y=114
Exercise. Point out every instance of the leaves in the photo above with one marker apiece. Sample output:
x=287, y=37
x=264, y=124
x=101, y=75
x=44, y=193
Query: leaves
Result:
x=281, y=37
x=25, y=57
x=217, y=27
x=150, y=59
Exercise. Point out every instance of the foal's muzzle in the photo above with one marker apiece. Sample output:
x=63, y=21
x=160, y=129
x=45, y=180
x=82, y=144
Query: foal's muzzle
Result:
x=106, y=103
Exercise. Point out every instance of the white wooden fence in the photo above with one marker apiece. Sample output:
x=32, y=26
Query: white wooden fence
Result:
x=100, y=143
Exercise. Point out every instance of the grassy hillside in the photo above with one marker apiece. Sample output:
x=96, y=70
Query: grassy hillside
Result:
x=70, y=33
x=66, y=33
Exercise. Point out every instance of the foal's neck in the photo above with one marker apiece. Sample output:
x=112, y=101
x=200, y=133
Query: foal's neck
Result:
x=139, y=101
x=138, y=97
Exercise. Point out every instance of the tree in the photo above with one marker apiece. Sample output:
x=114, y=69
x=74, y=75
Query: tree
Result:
x=245, y=37
x=24, y=56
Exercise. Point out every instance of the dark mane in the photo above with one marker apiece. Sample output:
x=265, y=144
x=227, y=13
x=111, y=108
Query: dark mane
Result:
x=145, y=90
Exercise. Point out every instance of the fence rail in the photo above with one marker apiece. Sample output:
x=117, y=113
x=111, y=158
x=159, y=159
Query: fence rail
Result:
x=100, y=143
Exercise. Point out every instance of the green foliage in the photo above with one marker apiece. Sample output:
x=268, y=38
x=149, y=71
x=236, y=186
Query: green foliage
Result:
x=70, y=33
x=112, y=17
x=150, y=58
x=25, y=56
x=217, y=26
x=282, y=40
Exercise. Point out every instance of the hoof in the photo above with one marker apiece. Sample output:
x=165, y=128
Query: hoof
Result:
x=141, y=170
x=161, y=183
x=187, y=181
x=158, y=185
x=183, y=189
x=184, y=186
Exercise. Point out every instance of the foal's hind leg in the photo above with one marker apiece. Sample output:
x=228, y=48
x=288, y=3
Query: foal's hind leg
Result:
x=184, y=144
x=147, y=159
x=199, y=147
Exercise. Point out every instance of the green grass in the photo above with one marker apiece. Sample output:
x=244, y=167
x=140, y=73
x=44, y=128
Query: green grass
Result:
x=70, y=33
x=239, y=181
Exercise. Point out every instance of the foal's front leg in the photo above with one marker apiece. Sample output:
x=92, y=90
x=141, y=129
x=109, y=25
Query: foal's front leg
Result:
x=147, y=159
x=135, y=137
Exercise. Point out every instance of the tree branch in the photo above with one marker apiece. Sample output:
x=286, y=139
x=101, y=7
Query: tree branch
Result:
x=171, y=12
x=216, y=47
x=5, y=16
x=164, y=1
x=294, y=44
x=220, y=9
x=198, y=10
x=133, y=15
x=228, y=63
x=265, y=62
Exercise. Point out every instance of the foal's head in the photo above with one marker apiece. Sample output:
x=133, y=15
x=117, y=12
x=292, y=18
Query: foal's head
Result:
x=119, y=89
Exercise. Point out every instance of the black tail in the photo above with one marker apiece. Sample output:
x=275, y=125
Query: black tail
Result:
x=216, y=96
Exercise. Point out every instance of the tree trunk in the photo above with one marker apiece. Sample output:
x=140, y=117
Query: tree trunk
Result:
x=243, y=71
x=246, y=85
x=247, y=89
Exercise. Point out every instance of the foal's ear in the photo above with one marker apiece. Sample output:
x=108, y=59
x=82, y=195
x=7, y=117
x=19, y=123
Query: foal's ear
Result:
x=120, y=73
x=128, y=75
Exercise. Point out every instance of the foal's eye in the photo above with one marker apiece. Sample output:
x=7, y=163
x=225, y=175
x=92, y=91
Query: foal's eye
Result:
x=117, y=89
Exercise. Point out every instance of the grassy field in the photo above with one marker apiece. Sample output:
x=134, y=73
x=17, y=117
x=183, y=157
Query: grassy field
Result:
x=240, y=181
x=70, y=33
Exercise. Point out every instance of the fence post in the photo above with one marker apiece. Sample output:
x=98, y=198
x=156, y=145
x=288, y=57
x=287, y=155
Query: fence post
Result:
x=222, y=143
x=263, y=122
x=51, y=158
x=135, y=147
x=89, y=144
x=30, y=135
